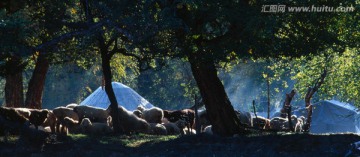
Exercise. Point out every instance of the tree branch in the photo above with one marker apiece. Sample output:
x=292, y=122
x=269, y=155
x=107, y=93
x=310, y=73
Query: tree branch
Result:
x=52, y=43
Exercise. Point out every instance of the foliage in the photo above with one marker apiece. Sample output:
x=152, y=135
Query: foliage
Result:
x=340, y=83
x=17, y=30
x=170, y=87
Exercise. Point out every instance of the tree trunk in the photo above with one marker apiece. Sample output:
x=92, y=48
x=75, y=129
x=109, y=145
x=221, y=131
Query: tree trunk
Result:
x=37, y=83
x=114, y=112
x=268, y=97
x=14, y=90
x=197, y=120
x=221, y=113
x=311, y=91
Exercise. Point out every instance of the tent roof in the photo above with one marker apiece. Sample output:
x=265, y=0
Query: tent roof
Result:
x=332, y=116
x=125, y=96
x=341, y=105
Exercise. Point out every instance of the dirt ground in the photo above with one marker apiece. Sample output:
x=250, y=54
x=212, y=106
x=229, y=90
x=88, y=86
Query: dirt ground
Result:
x=273, y=145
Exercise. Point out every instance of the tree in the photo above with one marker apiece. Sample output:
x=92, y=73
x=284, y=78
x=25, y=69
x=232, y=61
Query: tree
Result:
x=210, y=32
x=109, y=40
x=31, y=28
x=14, y=28
x=50, y=16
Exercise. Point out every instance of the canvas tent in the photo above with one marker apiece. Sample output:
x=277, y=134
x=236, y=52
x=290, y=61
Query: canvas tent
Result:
x=331, y=116
x=125, y=97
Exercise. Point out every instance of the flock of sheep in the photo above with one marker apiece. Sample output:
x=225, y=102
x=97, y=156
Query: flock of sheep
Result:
x=262, y=123
x=75, y=119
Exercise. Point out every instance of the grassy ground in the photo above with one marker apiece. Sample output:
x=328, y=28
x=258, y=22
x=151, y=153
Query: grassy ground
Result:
x=203, y=145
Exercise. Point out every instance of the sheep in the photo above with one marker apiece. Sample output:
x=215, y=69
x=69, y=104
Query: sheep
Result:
x=41, y=128
x=98, y=129
x=187, y=115
x=277, y=123
x=37, y=117
x=152, y=115
x=24, y=112
x=138, y=113
x=260, y=122
x=109, y=122
x=131, y=123
x=50, y=121
x=300, y=123
x=245, y=118
x=93, y=113
x=208, y=130
x=61, y=113
x=12, y=115
x=165, y=120
x=294, y=121
x=87, y=127
x=189, y=132
x=72, y=126
x=175, y=128
x=11, y=120
x=203, y=119
x=172, y=129
x=157, y=129
x=72, y=105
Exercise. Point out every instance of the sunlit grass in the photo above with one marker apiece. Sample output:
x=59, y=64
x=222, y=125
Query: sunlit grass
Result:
x=136, y=141
x=11, y=139
x=128, y=141
x=78, y=137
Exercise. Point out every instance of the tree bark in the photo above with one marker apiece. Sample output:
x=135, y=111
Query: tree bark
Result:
x=37, y=83
x=268, y=97
x=14, y=90
x=105, y=63
x=221, y=113
x=197, y=121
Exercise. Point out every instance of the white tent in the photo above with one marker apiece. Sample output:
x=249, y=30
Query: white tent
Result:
x=125, y=97
x=332, y=116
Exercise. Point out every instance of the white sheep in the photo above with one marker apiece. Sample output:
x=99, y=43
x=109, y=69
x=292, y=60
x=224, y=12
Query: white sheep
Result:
x=61, y=113
x=87, y=127
x=157, y=129
x=208, y=130
x=85, y=122
x=93, y=113
x=131, y=123
x=175, y=128
x=245, y=118
x=50, y=121
x=189, y=132
x=152, y=115
x=24, y=112
x=138, y=113
x=261, y=122
x=278, y=123
x=300, y=123
x=72, y=105
x=71, y=125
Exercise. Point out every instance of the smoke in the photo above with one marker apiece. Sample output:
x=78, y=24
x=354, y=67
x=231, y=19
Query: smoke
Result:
x=245, y=83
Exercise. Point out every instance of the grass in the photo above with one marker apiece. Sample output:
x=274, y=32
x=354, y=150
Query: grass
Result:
x=128, y=141
x=11, y=139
